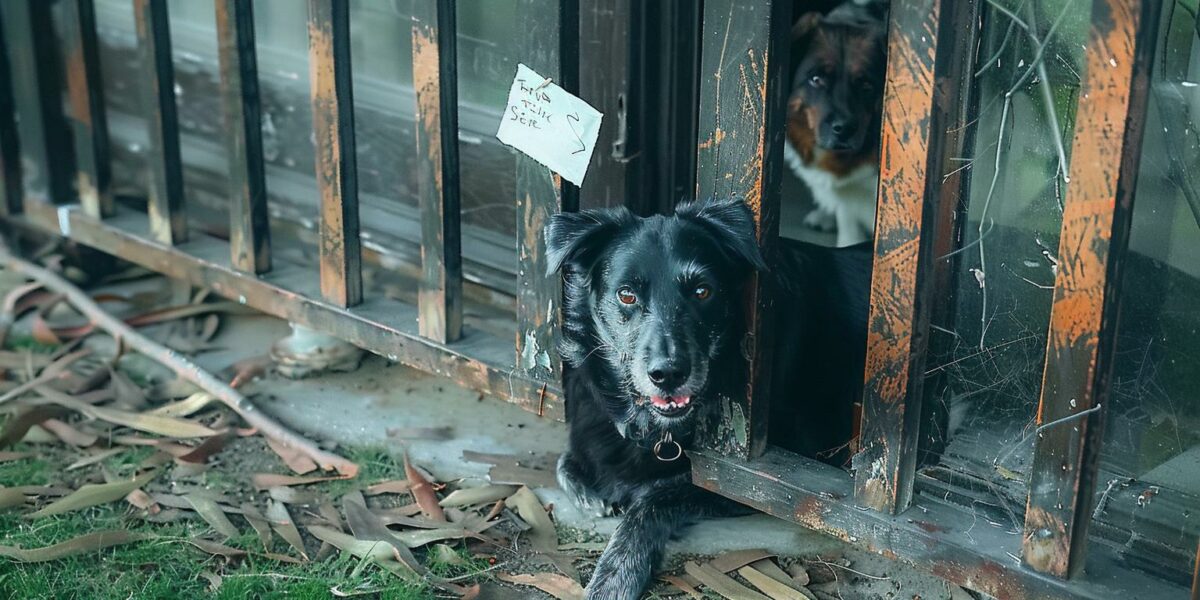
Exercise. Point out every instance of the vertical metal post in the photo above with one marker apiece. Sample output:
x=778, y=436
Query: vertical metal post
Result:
x=12, y=190
x=333, y=126
x=89, y=124
x=435, y=77
x=923, y=122
x=249, y=229
x=36, y=71
x=168, y=222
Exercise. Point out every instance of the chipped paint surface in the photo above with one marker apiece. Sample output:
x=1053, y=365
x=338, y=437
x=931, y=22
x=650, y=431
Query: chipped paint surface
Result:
x=741, y=122
x=904, y=151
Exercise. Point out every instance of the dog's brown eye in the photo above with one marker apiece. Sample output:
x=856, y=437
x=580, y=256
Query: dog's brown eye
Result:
x=626, y=296
x=702, y=292
x=816, y=81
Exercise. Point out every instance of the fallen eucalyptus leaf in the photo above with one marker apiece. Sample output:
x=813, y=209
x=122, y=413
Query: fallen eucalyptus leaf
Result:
x=563, y=588
x=477, y=495
x=93, y=495
x=212, y=514
x=282, y=523
x=83, y=544
x=423, y=493
x=293, y=458
x=263, y=481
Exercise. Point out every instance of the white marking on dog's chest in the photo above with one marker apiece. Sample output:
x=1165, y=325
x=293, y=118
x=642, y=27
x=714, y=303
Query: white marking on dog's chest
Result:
x=828, y=189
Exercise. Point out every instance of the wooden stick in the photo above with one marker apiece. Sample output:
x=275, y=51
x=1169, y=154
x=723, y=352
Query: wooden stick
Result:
x=178, y=363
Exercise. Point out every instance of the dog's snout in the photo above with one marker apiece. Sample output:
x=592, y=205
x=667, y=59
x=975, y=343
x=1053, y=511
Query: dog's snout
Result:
x=667, y=374
x=841, y=126
x=667, y=366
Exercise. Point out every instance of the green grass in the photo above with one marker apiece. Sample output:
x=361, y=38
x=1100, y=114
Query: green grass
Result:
x=168, y=567
x=27, y=342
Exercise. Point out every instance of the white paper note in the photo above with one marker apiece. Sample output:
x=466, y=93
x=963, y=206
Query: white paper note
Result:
x=550, y=125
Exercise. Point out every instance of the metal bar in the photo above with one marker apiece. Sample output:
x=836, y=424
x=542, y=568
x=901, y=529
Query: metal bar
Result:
x=333, y=126
x=168, y=222
x=1097, y=212
x=927, y=81
x=552, y=53
x=951, y=542
x=12, y=189
x=249, y=228
x=89, y=124
x=480, y=361
x=738, y=154
x=435, y=77
x=36, y=69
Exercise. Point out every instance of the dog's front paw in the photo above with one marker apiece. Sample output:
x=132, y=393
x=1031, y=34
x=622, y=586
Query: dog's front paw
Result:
x=587, y=500
x=821, y=220
x=610, y=585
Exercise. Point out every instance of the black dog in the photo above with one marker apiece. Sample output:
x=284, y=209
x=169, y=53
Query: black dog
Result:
x=652, y=334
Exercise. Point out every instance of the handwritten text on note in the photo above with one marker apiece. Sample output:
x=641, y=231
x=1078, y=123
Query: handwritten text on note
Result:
x=550, y=125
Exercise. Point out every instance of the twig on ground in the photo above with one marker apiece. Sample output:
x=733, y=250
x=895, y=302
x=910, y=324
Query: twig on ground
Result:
x=181, y=365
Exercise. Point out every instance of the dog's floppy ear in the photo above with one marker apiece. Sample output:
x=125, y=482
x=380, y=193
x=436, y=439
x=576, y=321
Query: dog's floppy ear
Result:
x=570, y=235
x=804, y=25
x=731, y=223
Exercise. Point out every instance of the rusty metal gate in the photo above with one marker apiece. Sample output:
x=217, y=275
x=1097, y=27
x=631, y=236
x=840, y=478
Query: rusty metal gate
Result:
x=659, y=81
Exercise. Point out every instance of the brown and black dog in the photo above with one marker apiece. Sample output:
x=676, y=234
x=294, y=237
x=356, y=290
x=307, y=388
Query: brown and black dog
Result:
x=834, y=115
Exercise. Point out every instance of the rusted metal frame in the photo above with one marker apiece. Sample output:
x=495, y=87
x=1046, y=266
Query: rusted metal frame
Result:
x=435, y=79
x=336, y=167
x=249, y=227
x=552, y=53
x=89, y=124
x=744, y=55
x=928, y=79
x=386, y=327
x=12, y=189
x=1097, y=212
x=36, y=69
x=944, y=539
x=168, y=221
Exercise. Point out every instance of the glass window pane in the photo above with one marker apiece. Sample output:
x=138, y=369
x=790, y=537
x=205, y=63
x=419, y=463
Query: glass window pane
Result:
x=987, y=351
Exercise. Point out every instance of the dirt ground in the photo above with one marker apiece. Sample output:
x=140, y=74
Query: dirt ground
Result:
x=101, y=499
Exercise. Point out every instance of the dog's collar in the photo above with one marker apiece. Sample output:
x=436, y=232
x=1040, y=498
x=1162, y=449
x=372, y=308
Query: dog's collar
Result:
x=659, y=442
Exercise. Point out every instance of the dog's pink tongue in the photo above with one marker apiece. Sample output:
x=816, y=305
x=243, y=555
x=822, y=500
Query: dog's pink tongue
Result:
x=665, y=401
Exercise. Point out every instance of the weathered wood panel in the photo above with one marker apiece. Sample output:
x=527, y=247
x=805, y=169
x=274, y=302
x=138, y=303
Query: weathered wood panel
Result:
x=36, y=69
x=549, y=48
x=89, y=124
x=1096, y=216
x=12, y=190
x=249, y=229
x=925, y=110
x=435, y=79
x=336, y=168
x=739, y=154
x=168, y=222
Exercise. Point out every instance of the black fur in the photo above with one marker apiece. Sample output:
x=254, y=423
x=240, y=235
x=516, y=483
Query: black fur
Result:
x=610, y=348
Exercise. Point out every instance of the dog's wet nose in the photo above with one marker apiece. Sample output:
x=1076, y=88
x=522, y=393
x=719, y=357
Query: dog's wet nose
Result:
x=841, y=127
x=667, y=374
